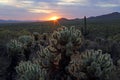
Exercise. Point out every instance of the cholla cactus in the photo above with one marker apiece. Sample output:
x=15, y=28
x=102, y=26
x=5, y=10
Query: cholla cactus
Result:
x=91, y=65
x=50, y=62
x=44, y=39
x=15, y=52
x=27, y=44
x=61, y=60
x=44, y=36
x=26, y=40
x=55, y=58
x=30, y=71
x=14, y=47
x=46, y=59
x=65, y=41
x=36, y=36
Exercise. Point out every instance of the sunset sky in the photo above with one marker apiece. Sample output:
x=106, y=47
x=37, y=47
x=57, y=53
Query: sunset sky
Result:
x=44, y=9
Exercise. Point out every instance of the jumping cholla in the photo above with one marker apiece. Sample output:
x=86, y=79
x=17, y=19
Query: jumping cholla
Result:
x=30, y=71
x=91, y=65
x=62, y=60
x=14, y=47
x=15, y=52
x=26, y=40
x=36, y=36
x=44, y=39
x=65, y=41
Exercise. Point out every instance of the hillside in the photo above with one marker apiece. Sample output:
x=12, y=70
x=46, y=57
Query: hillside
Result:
x=115, y=16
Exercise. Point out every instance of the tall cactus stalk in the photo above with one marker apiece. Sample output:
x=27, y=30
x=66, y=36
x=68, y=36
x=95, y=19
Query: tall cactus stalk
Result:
x=85, y=27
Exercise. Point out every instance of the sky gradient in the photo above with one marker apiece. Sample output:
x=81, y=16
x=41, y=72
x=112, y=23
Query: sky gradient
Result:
x=44, y=9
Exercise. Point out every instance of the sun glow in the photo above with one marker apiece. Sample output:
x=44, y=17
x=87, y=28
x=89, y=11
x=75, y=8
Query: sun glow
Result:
x=54, y=18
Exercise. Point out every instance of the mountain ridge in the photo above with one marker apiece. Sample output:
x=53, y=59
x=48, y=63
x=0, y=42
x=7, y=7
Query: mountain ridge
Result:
x=104, y=17
x=113, y=15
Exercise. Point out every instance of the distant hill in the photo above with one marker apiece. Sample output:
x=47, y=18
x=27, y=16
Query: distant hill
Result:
x=9, y=21
x=115, y=16
x=111, y=17
x=15, y=21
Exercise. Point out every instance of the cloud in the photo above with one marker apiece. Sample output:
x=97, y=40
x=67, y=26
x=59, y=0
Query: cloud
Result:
x=6, y=2
x=107, y=5
x=65, y=8
x=16, y=3
x=23, y=4
x=29, y=5
x=41, y=7
x=73, y=2
x=40, y=11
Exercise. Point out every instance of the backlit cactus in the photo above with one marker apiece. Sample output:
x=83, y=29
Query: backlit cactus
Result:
x=15, y=52
x=30, y=71
x=59, y=47
x=65, y=41
x=27, y=44
x=36, y=36
x=55, y=58
x=44, y=36
x=92, y=65
x=44, y=39
x=44, y=58
x=26, y=40
x=14, y=47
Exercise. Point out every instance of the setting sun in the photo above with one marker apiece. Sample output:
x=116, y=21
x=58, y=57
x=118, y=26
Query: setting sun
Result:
x=54, y=18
